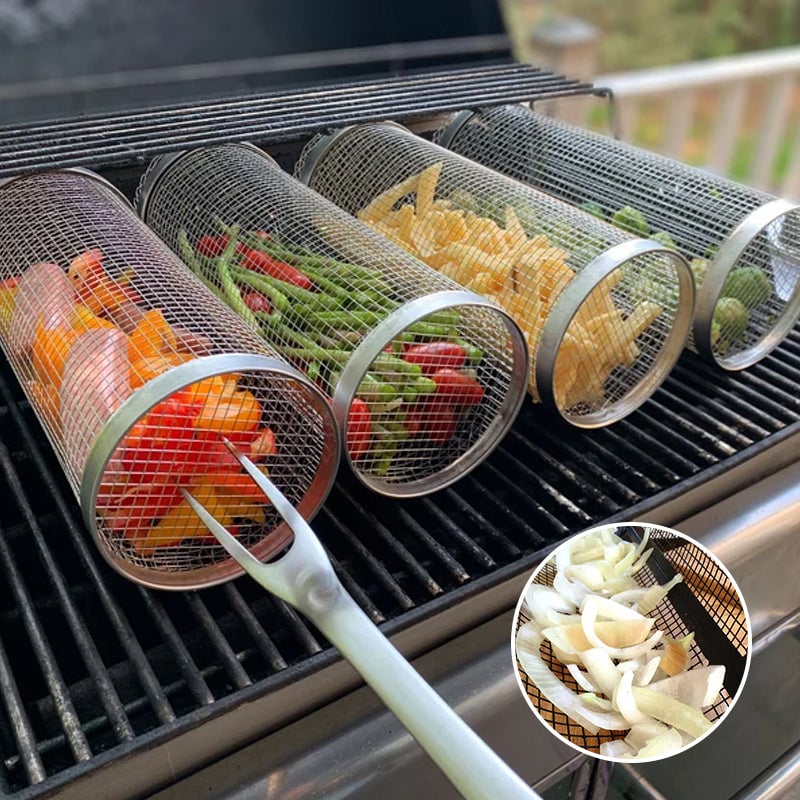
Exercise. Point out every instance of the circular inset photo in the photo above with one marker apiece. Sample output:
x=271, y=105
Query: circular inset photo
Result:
x=631, y=642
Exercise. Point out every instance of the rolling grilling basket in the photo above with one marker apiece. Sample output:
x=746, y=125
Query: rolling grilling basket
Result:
x=136, y=373
x=706, y=603
x=598, y=348
x=744, y=244
x=424, y=377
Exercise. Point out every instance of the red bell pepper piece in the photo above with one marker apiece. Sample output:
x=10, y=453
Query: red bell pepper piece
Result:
x=432, y=418
x=433, y=356
x=457, y=388
x=212, y=246
x=257, y=261
x=256, y=302
x=139, y=506
x=359, y=429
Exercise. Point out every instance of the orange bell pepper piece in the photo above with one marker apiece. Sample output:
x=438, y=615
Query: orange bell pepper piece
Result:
x=235, y=487
x=153, y=336
x=237, y=413
x=45, y=398
x=8, y=295
x=95, y=287
x=49, y=353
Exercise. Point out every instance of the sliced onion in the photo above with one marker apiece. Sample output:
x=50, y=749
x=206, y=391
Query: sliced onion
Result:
x=624, y=701
x=615, y=749
x=589, y=576
x=574, y=592
x=643, y=543
x=622, y=566
x=601, y=670
x=641, y=562
x=591, y=554
x=581, y=678
x=630, y=596
x=656, y=594
x=662, y=745
x=672, y=712
x=593, y=700
x=609, y=609
x=699, y=687
x=561, y=696
x=645, y=674
x=641, y=733
x=588, y=619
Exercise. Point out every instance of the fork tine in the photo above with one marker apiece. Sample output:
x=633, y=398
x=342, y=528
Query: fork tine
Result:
x=235, y=549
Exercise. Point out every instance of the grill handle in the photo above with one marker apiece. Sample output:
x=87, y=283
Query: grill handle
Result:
x=304, y=577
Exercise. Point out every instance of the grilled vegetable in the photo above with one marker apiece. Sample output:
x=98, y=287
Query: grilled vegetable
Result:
x=631, y=220
x=749, y=285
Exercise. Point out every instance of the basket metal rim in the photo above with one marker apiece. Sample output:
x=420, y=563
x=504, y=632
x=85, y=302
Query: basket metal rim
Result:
x=567, y=306
x=708, y=295
x=449, y=133
x=324, y=143
x=161, y=165
x=82, y=171
x=372, y=345
x=161, y=388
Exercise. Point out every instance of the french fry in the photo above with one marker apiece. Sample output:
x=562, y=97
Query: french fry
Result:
x=524, y=275
x=426, y=188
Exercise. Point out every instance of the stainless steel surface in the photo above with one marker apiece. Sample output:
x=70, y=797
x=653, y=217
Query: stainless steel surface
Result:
x=364, y=754
x=308, y=758
x=781, y=781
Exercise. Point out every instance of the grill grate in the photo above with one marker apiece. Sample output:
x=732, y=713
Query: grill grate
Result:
x=125, y=138
x=93, y=666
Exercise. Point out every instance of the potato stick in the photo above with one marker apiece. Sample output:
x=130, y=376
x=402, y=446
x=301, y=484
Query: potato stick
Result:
x=514, y=229
x=383, y=203
x=405, y=221
x=426, y=188
x=642, y=317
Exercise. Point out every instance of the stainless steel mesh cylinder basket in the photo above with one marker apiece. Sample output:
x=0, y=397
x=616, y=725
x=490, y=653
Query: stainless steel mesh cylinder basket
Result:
x=137, y=372
x=744, y=245
x=599, y=348
x=424, y=377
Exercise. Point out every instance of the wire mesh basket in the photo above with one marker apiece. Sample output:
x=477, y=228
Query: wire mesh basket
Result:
x=705, y=603
x=424, y=377
x=137, y=372
x=744, y=245
x=598, y=348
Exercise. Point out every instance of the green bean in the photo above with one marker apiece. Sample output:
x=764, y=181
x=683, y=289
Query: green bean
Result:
x=191, y=260
x=431, y=329
x=229, y=287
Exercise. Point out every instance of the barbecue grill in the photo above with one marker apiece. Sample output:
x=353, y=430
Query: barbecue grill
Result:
x=111, y=690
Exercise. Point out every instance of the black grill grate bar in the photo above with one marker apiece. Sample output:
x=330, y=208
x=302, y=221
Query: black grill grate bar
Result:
x=723, y=418
x=688, y=428
x=126, y=143
x=20, y=726
x=567, y=474
x=455, y=531
x=517, y=523
x=359, y=595
x=731, y=397
x=379, y=530
x=296, y=627
x=628, y=438
x=436, y=550
x=67, y=715
x=611, y=484
x=264, y=643
x=674, y=439
x=291, y=112
x=783, y=389
x=759, y=399
x=105, y=688
x=183, y=659
x=376, y=569
x=125, y=634
x=522, y=498
x=236, y=672
x=519, y=470
x=208, y=109
x=480, y=522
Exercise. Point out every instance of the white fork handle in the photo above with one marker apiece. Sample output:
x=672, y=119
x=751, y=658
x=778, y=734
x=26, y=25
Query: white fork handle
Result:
x=305, y=579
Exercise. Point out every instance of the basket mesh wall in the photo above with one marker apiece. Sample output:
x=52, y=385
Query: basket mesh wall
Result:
x=650, y=194
x=441, y=382
x=534, y=256
x=112, y=339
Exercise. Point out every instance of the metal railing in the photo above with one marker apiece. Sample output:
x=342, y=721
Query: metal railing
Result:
x=755, y=95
